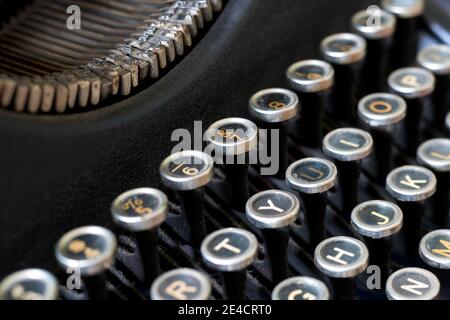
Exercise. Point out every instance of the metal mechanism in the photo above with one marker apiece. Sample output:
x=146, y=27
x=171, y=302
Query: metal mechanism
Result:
x=51, y=64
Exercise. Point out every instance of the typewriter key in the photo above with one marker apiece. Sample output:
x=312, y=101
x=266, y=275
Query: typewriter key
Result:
x=348, y=146
x=380, y=112
x=447, y=121
x=437, y=60
x=342, y=259
x=301, y=288
x=141, y=211
x=188, y=172
x=410, y=186
x=412, y=284
x=233, y=139
x=377, y=221
x=411, y=183
x=216, y=5
x=377, y=30
x=274, y=105
x=29, y=284
x=311, y=79
x=435, y=154
x=181, y=284
x=312, y=178
x=405, y=43
x=413, y=84
x=91, y=250
x=435, y=249
x=345, y=51
x=273, y=211
x=273, y=108
x=230, y=251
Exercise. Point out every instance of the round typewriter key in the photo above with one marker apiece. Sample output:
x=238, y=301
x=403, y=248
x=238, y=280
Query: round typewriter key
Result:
x=410, y=186
x=274, y=105
x=232, y=136
x=413, y=84
x=411, y=183
x=404, y=8
x=377, y=27
x=342, y=259
x=273, y=108
x=312, y=178
x=311, y=79
x=436, y=59
x=345, y=51
x=447, y=121
x=348, y=146
x=91, y=250
x=412, y=284
x=141, y=211
x=188, y=172
x=273, y=211
x=380, y=112
x=231, y=251
x=343, y=48
x=377, y=221
x=374, y=27
x=233, y=139
x=29, y=284
x=310, y=76
x=311, y=175
x=435, y=249
x=405, y=43
x=181, y=284
x=382, y=109
x=301, y=288
x=435, y=154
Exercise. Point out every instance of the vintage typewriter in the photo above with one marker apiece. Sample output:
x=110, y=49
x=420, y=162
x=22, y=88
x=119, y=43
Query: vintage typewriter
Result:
x=213, y=149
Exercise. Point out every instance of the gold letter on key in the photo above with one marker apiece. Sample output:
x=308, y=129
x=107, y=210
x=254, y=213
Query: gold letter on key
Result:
x=380, y=107
x=271, y=206
x=340, y=254
x=305, y=296
x=229, y=247
x=443, y=252
x=440, y=156
x=384, y=218
x=178, y=290
x=415, y=285
x=410, y=81
x=412, y=183
x=319, y=173
x=348, y=143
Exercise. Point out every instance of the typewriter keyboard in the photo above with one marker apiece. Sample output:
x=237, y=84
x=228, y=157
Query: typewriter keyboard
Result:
x=356, y=206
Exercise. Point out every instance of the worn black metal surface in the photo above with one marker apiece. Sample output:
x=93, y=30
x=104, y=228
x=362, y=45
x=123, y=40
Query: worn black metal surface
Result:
x=59, y=172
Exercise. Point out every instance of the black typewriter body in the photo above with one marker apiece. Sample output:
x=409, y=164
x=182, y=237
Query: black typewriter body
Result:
x=62, y=171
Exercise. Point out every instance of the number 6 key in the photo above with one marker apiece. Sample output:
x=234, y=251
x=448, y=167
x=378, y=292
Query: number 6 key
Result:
x=188, y=172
